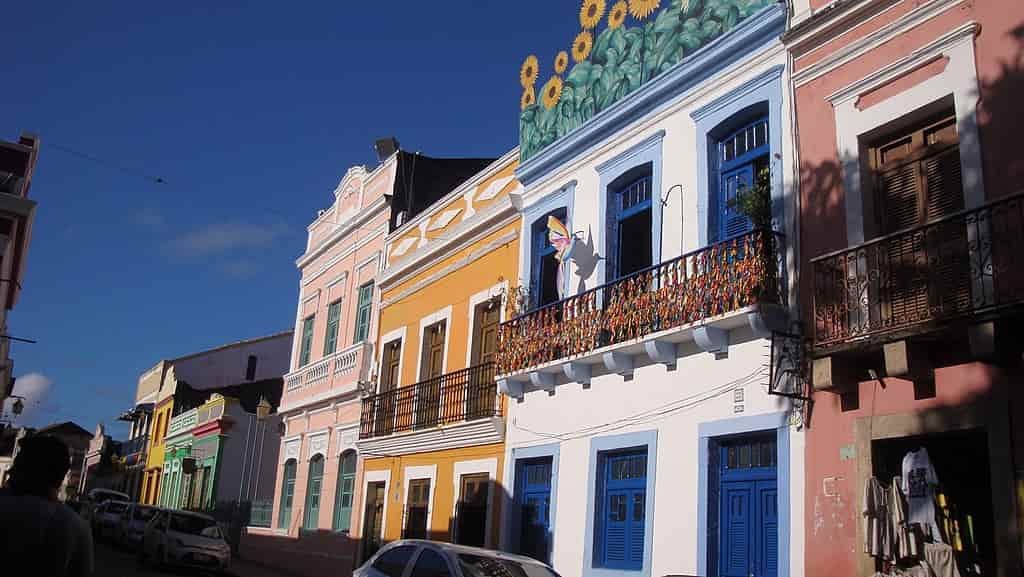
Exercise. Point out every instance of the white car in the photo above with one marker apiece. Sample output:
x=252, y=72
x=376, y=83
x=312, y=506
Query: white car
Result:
x=410, y=557
x=106, y=518
x=184, y=538
x=133, y=524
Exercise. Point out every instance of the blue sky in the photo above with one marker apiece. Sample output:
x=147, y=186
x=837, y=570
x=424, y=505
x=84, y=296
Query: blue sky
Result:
x=251, y=113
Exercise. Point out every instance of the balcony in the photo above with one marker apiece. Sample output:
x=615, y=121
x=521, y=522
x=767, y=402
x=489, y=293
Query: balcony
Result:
x=922, y=279
x=455, y=409
x=182, y=423
x=699, y=296
x=335, y=374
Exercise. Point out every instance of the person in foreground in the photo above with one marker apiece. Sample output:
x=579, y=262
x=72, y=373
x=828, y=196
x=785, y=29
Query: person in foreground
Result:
x=39, y=535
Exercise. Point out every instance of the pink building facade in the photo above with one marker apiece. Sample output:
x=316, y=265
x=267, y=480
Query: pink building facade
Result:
x=911, y=201
x=315, y=496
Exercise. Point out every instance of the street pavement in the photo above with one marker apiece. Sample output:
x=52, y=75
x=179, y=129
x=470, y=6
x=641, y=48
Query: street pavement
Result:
x=115, y=562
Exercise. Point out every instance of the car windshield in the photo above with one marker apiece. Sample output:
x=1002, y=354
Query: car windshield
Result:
x=116, y=508
x=480, y=566
x=194, y=525
x=143, y=513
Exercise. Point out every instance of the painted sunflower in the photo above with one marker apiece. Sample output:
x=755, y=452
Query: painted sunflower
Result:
x=551, y=92
x=582, y=46
x=561, y=62
x=591, y=13
x=618, y=15
x=528, y=99
x=529, y=71
x=641, y=9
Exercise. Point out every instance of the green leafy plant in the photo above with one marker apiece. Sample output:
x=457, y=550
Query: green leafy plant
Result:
x=755, y=202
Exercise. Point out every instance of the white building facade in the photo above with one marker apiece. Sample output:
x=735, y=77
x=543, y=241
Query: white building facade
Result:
x=643, y=437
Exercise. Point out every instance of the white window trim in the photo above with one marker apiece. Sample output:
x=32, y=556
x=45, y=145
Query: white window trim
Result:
x=489, y=466
x=377, y=477
x=483, y=296
x=959, y=79
x=339, y=433
x=390, y=337
x=444, y=314
x=316, y=436
x=286, y=444
x=419, y=472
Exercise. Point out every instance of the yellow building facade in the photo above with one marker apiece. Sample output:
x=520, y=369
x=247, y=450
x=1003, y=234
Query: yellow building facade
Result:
x=432, y=433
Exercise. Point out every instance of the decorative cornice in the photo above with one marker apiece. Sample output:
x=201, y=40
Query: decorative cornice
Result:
x=355, y=222
x=738, y=93
x=831, y=21
x=754, y=31
x=375, y=235
x=893, y=70
x=459, y=237
x=872, y=40
x=479, y=432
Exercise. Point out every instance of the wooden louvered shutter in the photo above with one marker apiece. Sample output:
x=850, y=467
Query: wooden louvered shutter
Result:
x=918, y=180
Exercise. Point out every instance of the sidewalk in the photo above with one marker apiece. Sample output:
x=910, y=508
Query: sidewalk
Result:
x=247, y=568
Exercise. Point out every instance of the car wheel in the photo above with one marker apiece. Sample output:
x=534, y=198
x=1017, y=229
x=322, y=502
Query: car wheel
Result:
x=161, y=561
x=142, y=557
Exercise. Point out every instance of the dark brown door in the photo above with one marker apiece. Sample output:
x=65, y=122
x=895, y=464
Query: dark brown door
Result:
x=471, y=512
x=428, y=393
x=417, y=509
x=485, y=338
x=373, y=519
x=389, y=377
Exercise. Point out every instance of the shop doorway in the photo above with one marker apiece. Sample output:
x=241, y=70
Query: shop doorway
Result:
x=373, y=519
x=962, y=490
x=746, y=542
x=471, y=510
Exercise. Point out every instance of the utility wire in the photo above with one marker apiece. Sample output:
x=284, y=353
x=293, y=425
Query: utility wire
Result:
x=107, y=163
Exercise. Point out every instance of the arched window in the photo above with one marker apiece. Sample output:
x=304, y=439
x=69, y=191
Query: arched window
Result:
x=284, y=516
x=313, y=488
x=344, y=492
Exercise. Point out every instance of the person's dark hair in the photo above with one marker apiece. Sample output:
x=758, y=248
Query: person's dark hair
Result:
x=40, y=466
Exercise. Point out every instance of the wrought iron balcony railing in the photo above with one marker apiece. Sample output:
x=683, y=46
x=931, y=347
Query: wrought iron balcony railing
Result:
x=724, y=277
x=455, y=397
x=912, y=280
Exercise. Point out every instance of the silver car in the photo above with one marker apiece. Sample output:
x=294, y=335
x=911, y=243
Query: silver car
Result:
x=106, y=518
x=133, y=523
x=184, y=538
x=410, y=557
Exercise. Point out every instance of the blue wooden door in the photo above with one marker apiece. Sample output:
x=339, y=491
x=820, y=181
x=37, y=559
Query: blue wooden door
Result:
x=534, y=499
x=734, y=182
x=748, y=541
x=624, y=511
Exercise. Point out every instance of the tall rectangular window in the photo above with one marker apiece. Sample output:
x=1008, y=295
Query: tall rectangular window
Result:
x=416, y=514
x=629, y=214
x=621, y=509
x=333, y=319
x=363, y=310
x=307, y=340
x=544, y=263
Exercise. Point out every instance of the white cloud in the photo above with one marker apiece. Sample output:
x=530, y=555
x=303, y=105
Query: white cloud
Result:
x=34, y=387
x=241, y=269
x=223, y=237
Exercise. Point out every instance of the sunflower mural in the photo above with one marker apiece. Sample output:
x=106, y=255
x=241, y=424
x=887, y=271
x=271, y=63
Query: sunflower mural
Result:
x=641, y=39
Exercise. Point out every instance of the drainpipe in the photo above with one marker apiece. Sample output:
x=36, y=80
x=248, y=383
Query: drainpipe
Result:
x=245, y=453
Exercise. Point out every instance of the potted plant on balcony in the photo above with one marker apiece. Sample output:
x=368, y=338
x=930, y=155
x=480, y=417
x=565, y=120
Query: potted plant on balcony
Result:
x=755, y=202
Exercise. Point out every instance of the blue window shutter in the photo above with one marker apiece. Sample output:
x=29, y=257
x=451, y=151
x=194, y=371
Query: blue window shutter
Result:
x=732, y=222
x=623, y=516
x=768, y=537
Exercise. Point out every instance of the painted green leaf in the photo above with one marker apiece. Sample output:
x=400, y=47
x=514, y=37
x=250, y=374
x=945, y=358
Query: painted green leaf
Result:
x=666, y=21
x=631, y=71
x=580, y=75
x=601, y=45
x=690, y=41
x=612, y=57
x=710, y=29
x=618, y=40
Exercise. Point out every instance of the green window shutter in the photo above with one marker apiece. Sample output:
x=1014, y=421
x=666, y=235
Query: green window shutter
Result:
x=345, y=491
x=287, y=494
x=307, y=341
x=333, y=318
x=363, y=312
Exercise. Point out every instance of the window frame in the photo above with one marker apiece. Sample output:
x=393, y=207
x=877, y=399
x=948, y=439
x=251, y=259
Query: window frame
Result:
x=630, y=488
x=333, y=327
x=306, y=340
x=363, y=321
x=615, y=216
x=337, y=523
x=284, y=520
x=749, y=163
x=540, y=248
x=307, y=519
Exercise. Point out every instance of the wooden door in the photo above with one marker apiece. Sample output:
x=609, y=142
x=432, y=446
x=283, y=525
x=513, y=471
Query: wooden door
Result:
x=433, y=351
x=373, y=519
x=417, y=511
x=485, y=339
x=389, y=377
x=471, y=511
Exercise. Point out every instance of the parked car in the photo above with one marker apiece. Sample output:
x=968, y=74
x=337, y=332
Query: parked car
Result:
x=133, y=524
x=97, y=497
x=106, y=518
x=400, y=558
x=183, y=538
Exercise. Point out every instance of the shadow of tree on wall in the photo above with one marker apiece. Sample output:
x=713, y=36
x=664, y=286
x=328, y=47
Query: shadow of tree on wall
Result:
x=1000, y=106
